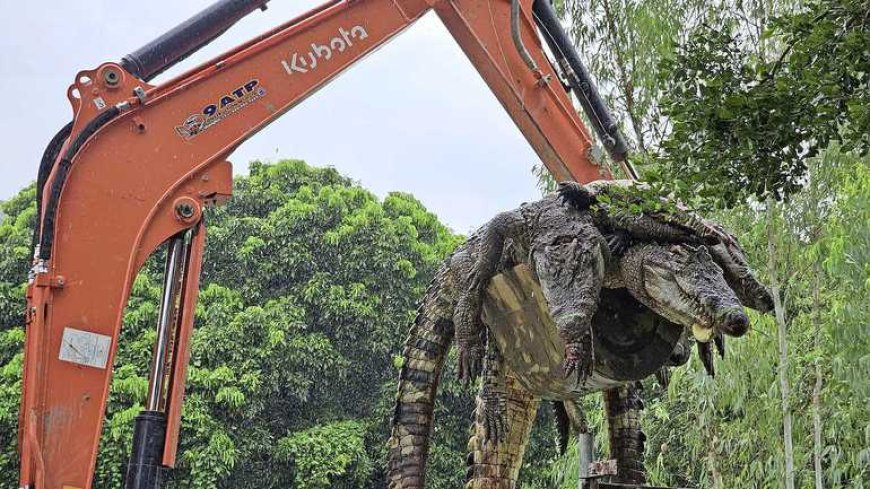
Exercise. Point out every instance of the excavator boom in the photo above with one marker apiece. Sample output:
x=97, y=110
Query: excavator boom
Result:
x=139, y=162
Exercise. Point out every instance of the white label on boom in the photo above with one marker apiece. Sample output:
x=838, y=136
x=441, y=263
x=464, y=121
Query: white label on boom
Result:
x=85, y=348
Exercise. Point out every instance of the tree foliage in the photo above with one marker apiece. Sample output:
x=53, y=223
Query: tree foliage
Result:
x=736, y=417
x=308, y=286
x=764, y=110
x=745, y=125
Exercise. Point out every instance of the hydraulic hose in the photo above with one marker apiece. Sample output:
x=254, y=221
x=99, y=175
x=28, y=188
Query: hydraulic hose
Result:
x=517, y=37
x=63, y=167
x=580, y=80
x=45, y=166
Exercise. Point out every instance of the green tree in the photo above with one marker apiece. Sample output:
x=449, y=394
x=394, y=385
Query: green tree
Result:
x=765, y=118
x=745, y=125
x=746, y=122
x=308, y=287
x=622, y=43
x=737, y=416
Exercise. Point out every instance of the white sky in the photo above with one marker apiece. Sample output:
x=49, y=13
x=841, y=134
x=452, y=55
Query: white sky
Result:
x=415, y=116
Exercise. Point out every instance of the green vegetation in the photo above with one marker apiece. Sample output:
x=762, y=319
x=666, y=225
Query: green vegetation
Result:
x=758, y=115
x=309, y=284
x=308, y=288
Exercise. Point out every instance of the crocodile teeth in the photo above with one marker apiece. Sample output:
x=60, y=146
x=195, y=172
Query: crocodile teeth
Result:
x=701, y=333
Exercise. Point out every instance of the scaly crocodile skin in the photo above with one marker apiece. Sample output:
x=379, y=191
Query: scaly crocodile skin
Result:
x=497, y=465
x=572, y=259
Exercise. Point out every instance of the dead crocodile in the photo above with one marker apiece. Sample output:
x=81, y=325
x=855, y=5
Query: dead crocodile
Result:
x=525, y=361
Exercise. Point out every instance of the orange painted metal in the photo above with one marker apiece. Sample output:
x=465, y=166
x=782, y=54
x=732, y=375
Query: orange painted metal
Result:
x=541, y=109
x=118, y=203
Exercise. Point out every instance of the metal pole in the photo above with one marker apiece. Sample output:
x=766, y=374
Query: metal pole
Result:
x=585, y=449
x=174, y=260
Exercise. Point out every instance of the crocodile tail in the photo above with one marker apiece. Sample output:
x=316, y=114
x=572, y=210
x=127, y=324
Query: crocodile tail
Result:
x=563, y=426
x=624, y=410
x=424, y=353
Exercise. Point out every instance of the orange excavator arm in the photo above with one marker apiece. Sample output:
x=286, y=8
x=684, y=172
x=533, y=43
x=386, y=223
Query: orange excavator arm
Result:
x=140, y=161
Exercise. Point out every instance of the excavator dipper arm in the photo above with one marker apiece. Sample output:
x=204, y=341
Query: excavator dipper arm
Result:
x=141, y=162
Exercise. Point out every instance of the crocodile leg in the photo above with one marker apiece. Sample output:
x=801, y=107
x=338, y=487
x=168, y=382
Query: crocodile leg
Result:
x=645, y=227
x=680, y=227
x=570, y=422
x=474, y=268
x=490, y=246
x=571, y=271
x=624, y=408
x=497, y=465
x=563, y=427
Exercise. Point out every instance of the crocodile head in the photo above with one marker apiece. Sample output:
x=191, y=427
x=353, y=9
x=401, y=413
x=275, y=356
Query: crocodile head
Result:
x=740, y=278
x=685, y=285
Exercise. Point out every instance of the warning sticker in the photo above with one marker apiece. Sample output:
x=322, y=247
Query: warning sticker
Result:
x=85, y=348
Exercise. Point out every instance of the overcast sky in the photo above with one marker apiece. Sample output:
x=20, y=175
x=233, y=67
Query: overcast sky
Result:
x=415, y=116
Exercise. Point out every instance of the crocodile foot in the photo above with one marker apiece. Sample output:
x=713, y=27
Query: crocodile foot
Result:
x=579, y=358
x=618, y=242
x=494, y=420
x=576, y=195
x=470, y=363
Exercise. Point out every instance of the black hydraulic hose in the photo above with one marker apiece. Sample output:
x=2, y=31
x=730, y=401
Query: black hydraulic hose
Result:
x=580, y=80
x=45, y=166
x=517, y=37
x=46, y=240
x=186, y=38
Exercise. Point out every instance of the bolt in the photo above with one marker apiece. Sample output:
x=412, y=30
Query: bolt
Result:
x=185, y=210
x=111, y=77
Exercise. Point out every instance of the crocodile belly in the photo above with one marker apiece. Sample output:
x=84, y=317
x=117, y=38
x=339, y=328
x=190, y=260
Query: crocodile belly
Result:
x=630, y=341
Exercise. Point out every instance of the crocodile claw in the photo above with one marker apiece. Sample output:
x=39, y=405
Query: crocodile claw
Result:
x=494, y=418
x=579, y=358
x=618, y=242
x=470, y=363
x=663, y=376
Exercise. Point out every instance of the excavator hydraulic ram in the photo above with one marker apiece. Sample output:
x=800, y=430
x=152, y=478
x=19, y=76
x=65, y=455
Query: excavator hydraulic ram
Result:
x=139, y=162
